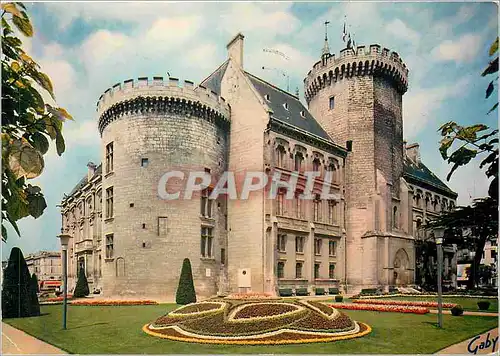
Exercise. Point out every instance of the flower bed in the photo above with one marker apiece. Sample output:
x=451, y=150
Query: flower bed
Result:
x=258, y=322
x=113, y=302
x=427, y=295
x=404, y=303
x=250, y=296
x=56, y=299
x=382, y=308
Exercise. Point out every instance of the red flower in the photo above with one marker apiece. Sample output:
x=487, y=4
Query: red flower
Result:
x=403, y=303
x=382, y=308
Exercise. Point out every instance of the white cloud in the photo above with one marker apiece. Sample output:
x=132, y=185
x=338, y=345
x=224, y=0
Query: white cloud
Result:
x=421, y=105
x=401, y=30
x=464, y=49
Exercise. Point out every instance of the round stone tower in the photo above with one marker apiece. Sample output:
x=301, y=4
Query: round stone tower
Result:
x=357, y=97
x=149, y=128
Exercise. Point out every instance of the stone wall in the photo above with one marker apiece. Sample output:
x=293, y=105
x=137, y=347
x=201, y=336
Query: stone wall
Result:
x=147, y=259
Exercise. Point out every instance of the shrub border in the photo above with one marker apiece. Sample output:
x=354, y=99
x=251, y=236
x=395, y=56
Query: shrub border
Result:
x=233, y=313
x=404, y=303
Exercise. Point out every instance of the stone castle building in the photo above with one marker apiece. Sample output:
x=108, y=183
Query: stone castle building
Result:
x=131, y=242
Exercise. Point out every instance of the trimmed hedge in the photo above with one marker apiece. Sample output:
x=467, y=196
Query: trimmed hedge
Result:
x=301, y=292
x=320, y=291
x=285, y=292
x=333, y=291
x=457, y=310
x=339, y=298
x=483, y=305
x=185, y=291
x=369, y=291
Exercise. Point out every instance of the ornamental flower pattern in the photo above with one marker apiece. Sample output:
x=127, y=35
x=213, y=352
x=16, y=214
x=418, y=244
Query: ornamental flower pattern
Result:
x=382, y=308
x=248, y=321
x=404, y=303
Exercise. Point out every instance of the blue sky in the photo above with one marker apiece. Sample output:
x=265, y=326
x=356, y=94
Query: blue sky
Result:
x=87, y=47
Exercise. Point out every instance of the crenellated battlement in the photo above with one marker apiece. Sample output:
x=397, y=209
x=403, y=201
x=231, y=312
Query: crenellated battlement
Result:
x=356, y=62
x=157, y=94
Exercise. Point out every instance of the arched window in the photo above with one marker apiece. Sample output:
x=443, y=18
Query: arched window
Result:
x=280, y=156
x=395, y=217
x=299, y=159
x=317, y=208
x=316, y=165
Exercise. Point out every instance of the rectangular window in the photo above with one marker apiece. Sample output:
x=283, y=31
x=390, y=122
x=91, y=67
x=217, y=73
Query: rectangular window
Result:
x=298, y=206
x=206, y=242
x=109, y=202
x=332, y=102
x=317, y=246
x=282, y=243
x=299, y=244
x=332, y=248
x=109, y=157
x=162, y=226
x=317, y=209
x=280, y=203
x=98, y=201
x=144, y=162
x=298, y=270
x=281, y=269
x=206, y=203
x=316, y=271
x=331, y=212
x=331, y=271
x=109, y=246
x=222, y=256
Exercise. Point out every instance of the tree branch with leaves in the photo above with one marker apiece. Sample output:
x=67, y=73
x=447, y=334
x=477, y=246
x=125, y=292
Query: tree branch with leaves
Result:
x=28, y=122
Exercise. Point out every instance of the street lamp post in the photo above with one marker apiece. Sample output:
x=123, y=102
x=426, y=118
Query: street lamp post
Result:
x=438, y=235
x=64, y=246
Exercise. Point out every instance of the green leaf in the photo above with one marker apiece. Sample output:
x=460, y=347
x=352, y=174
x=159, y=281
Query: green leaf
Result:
x=445, y=145
x=492, y=109
x=40, y=142
x=38, y=104
x=60, y=146
x=4, y=233
x=489, y=90
x=50, y=127
x=24, y=160
x=494, y=47
x=44, y=81
x=37, y=205
x=492, y=67
x=23, y=24
x=11, y=9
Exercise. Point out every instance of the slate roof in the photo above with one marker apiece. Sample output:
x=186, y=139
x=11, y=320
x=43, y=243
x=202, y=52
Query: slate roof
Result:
x=213, y=81
x=421, y=175
x=84, y=181
x=278, y=98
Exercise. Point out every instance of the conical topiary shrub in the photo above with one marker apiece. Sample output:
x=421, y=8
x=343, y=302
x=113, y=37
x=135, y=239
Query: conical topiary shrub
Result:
x=33, y=290
x=185, y=291
x=16, y=301
x=34, y=281
x=82, y=286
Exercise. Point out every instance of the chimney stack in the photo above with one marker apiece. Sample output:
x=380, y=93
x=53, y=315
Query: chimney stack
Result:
x=413, y=152
x=91, y=170
x=235, y=49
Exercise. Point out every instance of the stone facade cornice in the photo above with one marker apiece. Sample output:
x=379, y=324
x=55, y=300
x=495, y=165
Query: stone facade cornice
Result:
x=429, y=185
x=356, y=62
x=286, y=129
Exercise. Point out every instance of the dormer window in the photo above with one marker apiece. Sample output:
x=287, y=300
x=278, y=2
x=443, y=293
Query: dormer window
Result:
x=267, y=97
x=285, y=105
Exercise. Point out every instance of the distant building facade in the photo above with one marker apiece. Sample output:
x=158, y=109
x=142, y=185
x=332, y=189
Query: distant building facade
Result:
x=131, y=242
x=47, y=267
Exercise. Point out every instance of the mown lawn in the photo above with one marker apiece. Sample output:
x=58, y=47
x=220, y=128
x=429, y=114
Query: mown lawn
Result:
x=117, y=330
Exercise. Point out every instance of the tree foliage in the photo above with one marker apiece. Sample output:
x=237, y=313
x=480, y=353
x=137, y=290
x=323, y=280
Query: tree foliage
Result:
x=185, y=291
x=28, y=122
x=476, y=140
x=19, y=299
x=82, y=285
x=471, y=226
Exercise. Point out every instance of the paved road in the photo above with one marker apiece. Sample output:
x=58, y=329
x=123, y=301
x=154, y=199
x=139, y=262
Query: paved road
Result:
x=17, y=342
x=486, y=343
